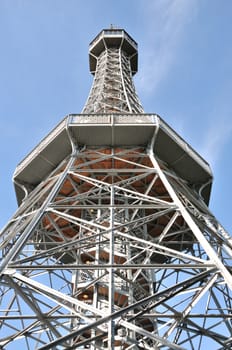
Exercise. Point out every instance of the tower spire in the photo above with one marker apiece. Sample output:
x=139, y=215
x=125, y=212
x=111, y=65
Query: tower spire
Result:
x=113, y=59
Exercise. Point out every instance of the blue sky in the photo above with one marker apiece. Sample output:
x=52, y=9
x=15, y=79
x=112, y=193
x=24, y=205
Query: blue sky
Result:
x=185, y=75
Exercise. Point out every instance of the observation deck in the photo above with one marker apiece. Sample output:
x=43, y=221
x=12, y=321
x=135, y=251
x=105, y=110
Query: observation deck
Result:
x=112, y=130
x=113, y=38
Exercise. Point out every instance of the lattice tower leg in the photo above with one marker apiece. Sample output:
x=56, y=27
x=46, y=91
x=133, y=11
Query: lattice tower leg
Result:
x=114, y=250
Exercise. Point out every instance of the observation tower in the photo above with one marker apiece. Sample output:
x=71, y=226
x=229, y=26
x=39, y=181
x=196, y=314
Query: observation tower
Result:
x=113, y=245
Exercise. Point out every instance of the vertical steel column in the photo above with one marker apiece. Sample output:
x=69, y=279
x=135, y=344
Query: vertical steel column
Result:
x=195, y=229
x=29, y=229
x=111, y=271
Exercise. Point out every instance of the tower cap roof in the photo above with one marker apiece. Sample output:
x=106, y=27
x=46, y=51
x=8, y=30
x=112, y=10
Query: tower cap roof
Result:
x=117, y=38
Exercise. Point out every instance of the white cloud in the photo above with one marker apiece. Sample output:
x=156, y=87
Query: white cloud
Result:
x=165, y=26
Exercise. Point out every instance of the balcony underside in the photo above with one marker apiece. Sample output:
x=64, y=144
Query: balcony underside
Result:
x=113, y=130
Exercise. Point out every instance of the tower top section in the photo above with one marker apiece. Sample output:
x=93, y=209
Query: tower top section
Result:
x=113, y=60
x=112, y=117
x=113, y=38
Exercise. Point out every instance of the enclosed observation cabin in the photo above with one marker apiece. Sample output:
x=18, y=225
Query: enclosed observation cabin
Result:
x=113, y=39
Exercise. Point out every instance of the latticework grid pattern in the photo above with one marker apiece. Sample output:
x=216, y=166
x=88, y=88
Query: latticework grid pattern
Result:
x=113, y=89
x=114, y=250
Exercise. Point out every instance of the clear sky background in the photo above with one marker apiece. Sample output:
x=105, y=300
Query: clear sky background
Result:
x=185, y=75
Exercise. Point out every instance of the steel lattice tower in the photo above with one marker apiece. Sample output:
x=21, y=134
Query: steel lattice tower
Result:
x=113, y=245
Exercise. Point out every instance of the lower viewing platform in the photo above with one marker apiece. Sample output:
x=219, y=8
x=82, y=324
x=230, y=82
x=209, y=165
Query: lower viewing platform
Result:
x=112, y=130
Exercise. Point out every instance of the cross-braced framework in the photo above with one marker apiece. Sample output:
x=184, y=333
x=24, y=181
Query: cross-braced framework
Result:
x=115, y=250
x=113, y=245
x=113, y=90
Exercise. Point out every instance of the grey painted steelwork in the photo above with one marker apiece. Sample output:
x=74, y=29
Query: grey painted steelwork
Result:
x=113, y=60
x=112, y=130
x=113, y=245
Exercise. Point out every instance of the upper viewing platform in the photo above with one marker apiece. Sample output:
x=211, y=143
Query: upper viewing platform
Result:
x=113, y=38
